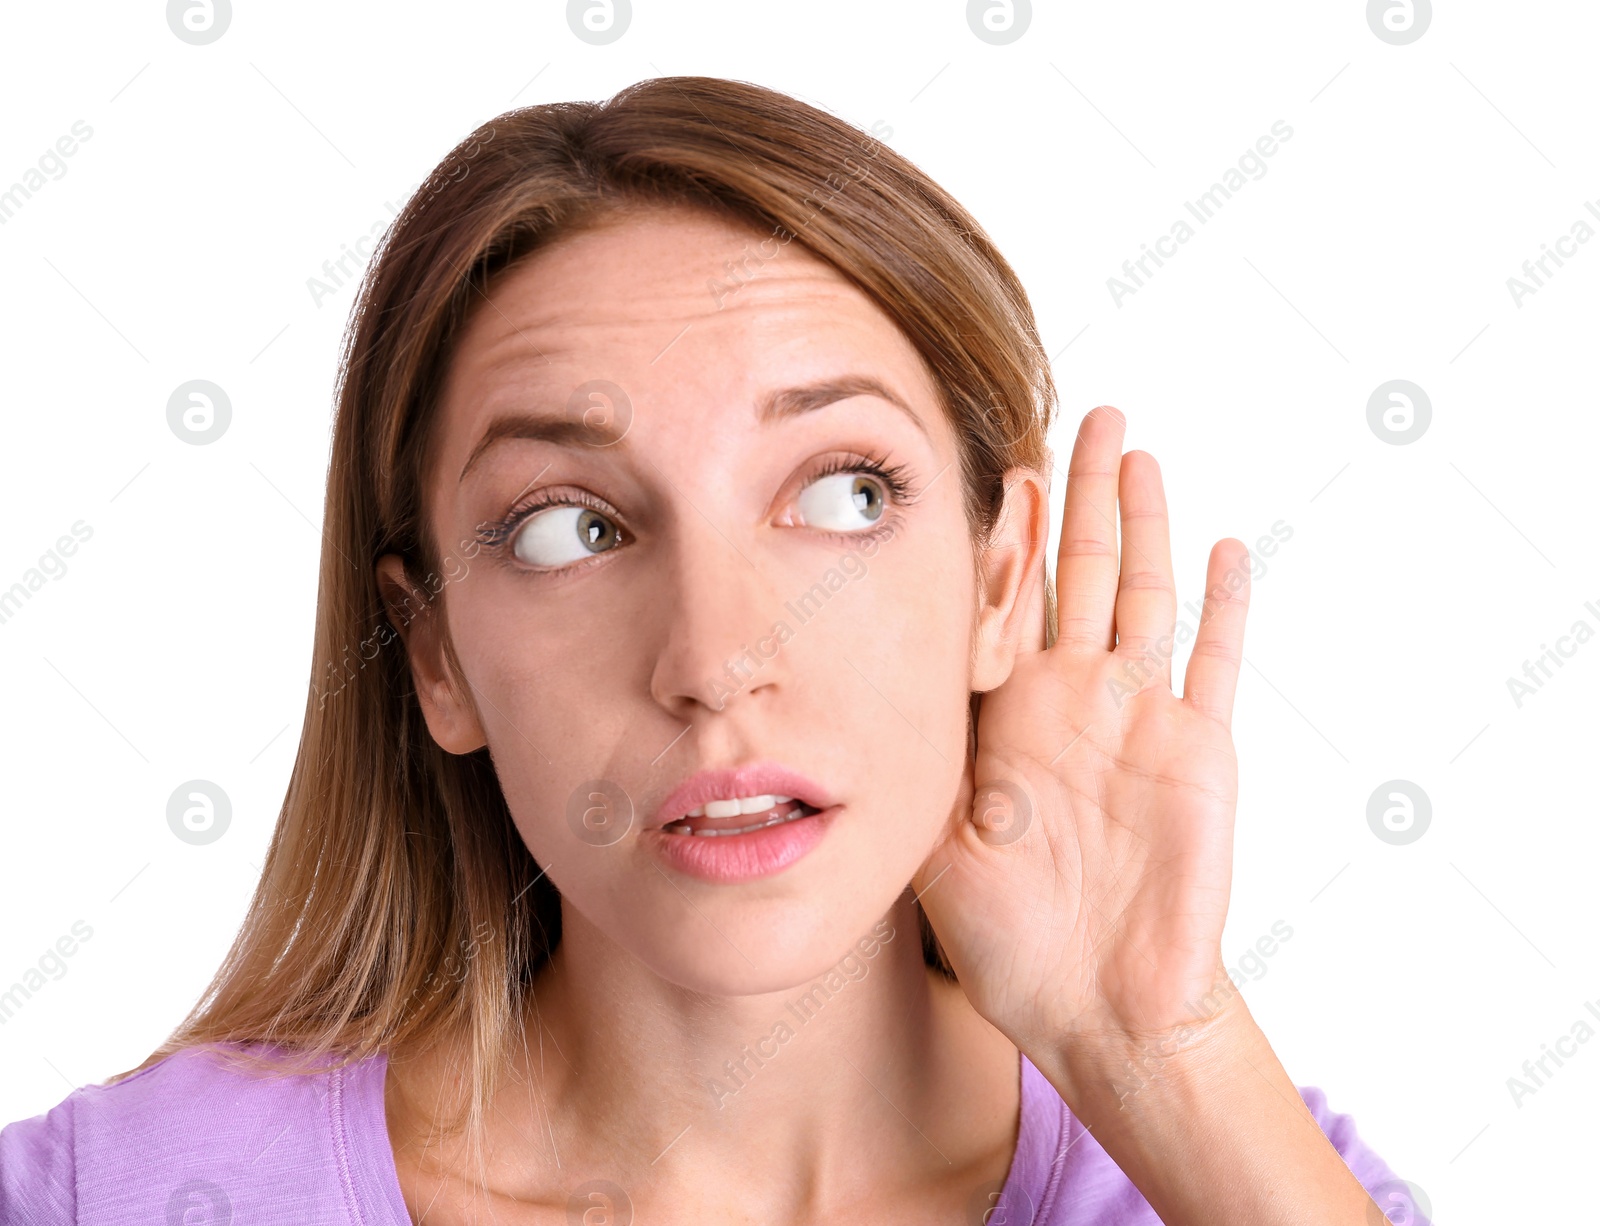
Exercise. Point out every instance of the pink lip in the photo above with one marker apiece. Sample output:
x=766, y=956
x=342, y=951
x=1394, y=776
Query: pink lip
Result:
x=758, y=779
x=740, y=857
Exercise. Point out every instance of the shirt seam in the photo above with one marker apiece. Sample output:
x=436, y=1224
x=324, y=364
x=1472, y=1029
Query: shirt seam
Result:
x=1058, y=1161
x=77, y=1148
x=341, y=1154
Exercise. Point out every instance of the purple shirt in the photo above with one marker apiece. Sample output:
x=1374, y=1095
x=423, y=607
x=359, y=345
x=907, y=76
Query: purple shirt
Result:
x=192, y=1143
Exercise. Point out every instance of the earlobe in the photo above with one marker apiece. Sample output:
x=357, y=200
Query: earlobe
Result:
x=451, y=717
x=1011, y=595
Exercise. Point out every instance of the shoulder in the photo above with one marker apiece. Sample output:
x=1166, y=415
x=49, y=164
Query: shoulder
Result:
x=1061, y=1174
x=212, y=1129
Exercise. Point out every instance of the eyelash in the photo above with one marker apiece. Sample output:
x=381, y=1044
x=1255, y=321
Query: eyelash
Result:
x=895, y=478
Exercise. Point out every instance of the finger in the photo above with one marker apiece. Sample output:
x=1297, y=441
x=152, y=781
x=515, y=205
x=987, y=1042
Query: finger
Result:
x=1147, y=598
x=1213, y=672
x=1086, y=562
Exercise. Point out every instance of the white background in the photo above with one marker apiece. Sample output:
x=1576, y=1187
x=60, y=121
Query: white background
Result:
x=1377, y=246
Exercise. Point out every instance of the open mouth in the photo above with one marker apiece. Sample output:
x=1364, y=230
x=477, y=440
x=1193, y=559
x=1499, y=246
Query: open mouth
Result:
x=719, y=818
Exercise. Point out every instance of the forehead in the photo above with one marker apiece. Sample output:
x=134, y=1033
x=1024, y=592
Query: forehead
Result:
x=634, y=266
x=672, y=300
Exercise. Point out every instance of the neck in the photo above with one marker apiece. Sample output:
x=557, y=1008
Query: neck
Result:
x=873, y=1073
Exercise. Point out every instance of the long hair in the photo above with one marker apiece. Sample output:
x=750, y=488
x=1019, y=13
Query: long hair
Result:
x=398, y=903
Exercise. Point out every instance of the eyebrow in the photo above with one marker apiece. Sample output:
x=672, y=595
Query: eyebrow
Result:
x=780, y=405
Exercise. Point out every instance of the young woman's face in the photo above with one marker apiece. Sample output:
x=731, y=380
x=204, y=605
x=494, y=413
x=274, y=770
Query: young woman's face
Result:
x=704, y=572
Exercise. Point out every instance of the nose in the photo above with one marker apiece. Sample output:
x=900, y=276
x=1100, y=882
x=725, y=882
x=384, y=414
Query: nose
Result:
x=721, y=624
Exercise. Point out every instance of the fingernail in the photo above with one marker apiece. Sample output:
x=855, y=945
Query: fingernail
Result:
x=1112, y=410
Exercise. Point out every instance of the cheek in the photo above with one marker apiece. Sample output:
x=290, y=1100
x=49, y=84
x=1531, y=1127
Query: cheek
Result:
x=542, y=687
x=536, y=664
x=895, y=665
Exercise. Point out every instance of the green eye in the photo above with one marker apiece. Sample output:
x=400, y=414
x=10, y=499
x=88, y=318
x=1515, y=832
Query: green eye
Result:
x=842, y=502
x=559, y=536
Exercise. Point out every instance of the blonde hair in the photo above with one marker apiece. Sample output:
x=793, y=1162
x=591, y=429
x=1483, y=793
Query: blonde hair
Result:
x=398, y=904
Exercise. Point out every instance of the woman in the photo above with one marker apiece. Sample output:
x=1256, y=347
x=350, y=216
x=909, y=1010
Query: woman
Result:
x=649, y=850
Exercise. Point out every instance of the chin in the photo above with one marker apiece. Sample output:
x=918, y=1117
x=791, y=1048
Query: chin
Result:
x=760, y=947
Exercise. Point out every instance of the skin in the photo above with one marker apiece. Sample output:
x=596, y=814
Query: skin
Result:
x=1081, y=942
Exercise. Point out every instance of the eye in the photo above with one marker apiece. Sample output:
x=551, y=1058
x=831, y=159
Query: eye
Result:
x=561, y=535
x=842, y=502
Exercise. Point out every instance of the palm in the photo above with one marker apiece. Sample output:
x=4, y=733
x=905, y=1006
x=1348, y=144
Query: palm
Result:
x=1097, y=903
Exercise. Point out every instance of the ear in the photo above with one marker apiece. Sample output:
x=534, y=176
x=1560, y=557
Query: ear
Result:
x=452, y=718
x=1011, y=580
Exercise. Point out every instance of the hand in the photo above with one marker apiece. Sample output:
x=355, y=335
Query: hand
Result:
x=1082, y=889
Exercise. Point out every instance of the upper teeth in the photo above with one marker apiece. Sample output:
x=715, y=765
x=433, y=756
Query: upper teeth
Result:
x=738, y=805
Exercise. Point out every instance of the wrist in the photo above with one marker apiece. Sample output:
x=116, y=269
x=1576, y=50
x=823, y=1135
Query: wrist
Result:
x=1205, y=1122
x=1105, y=1068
